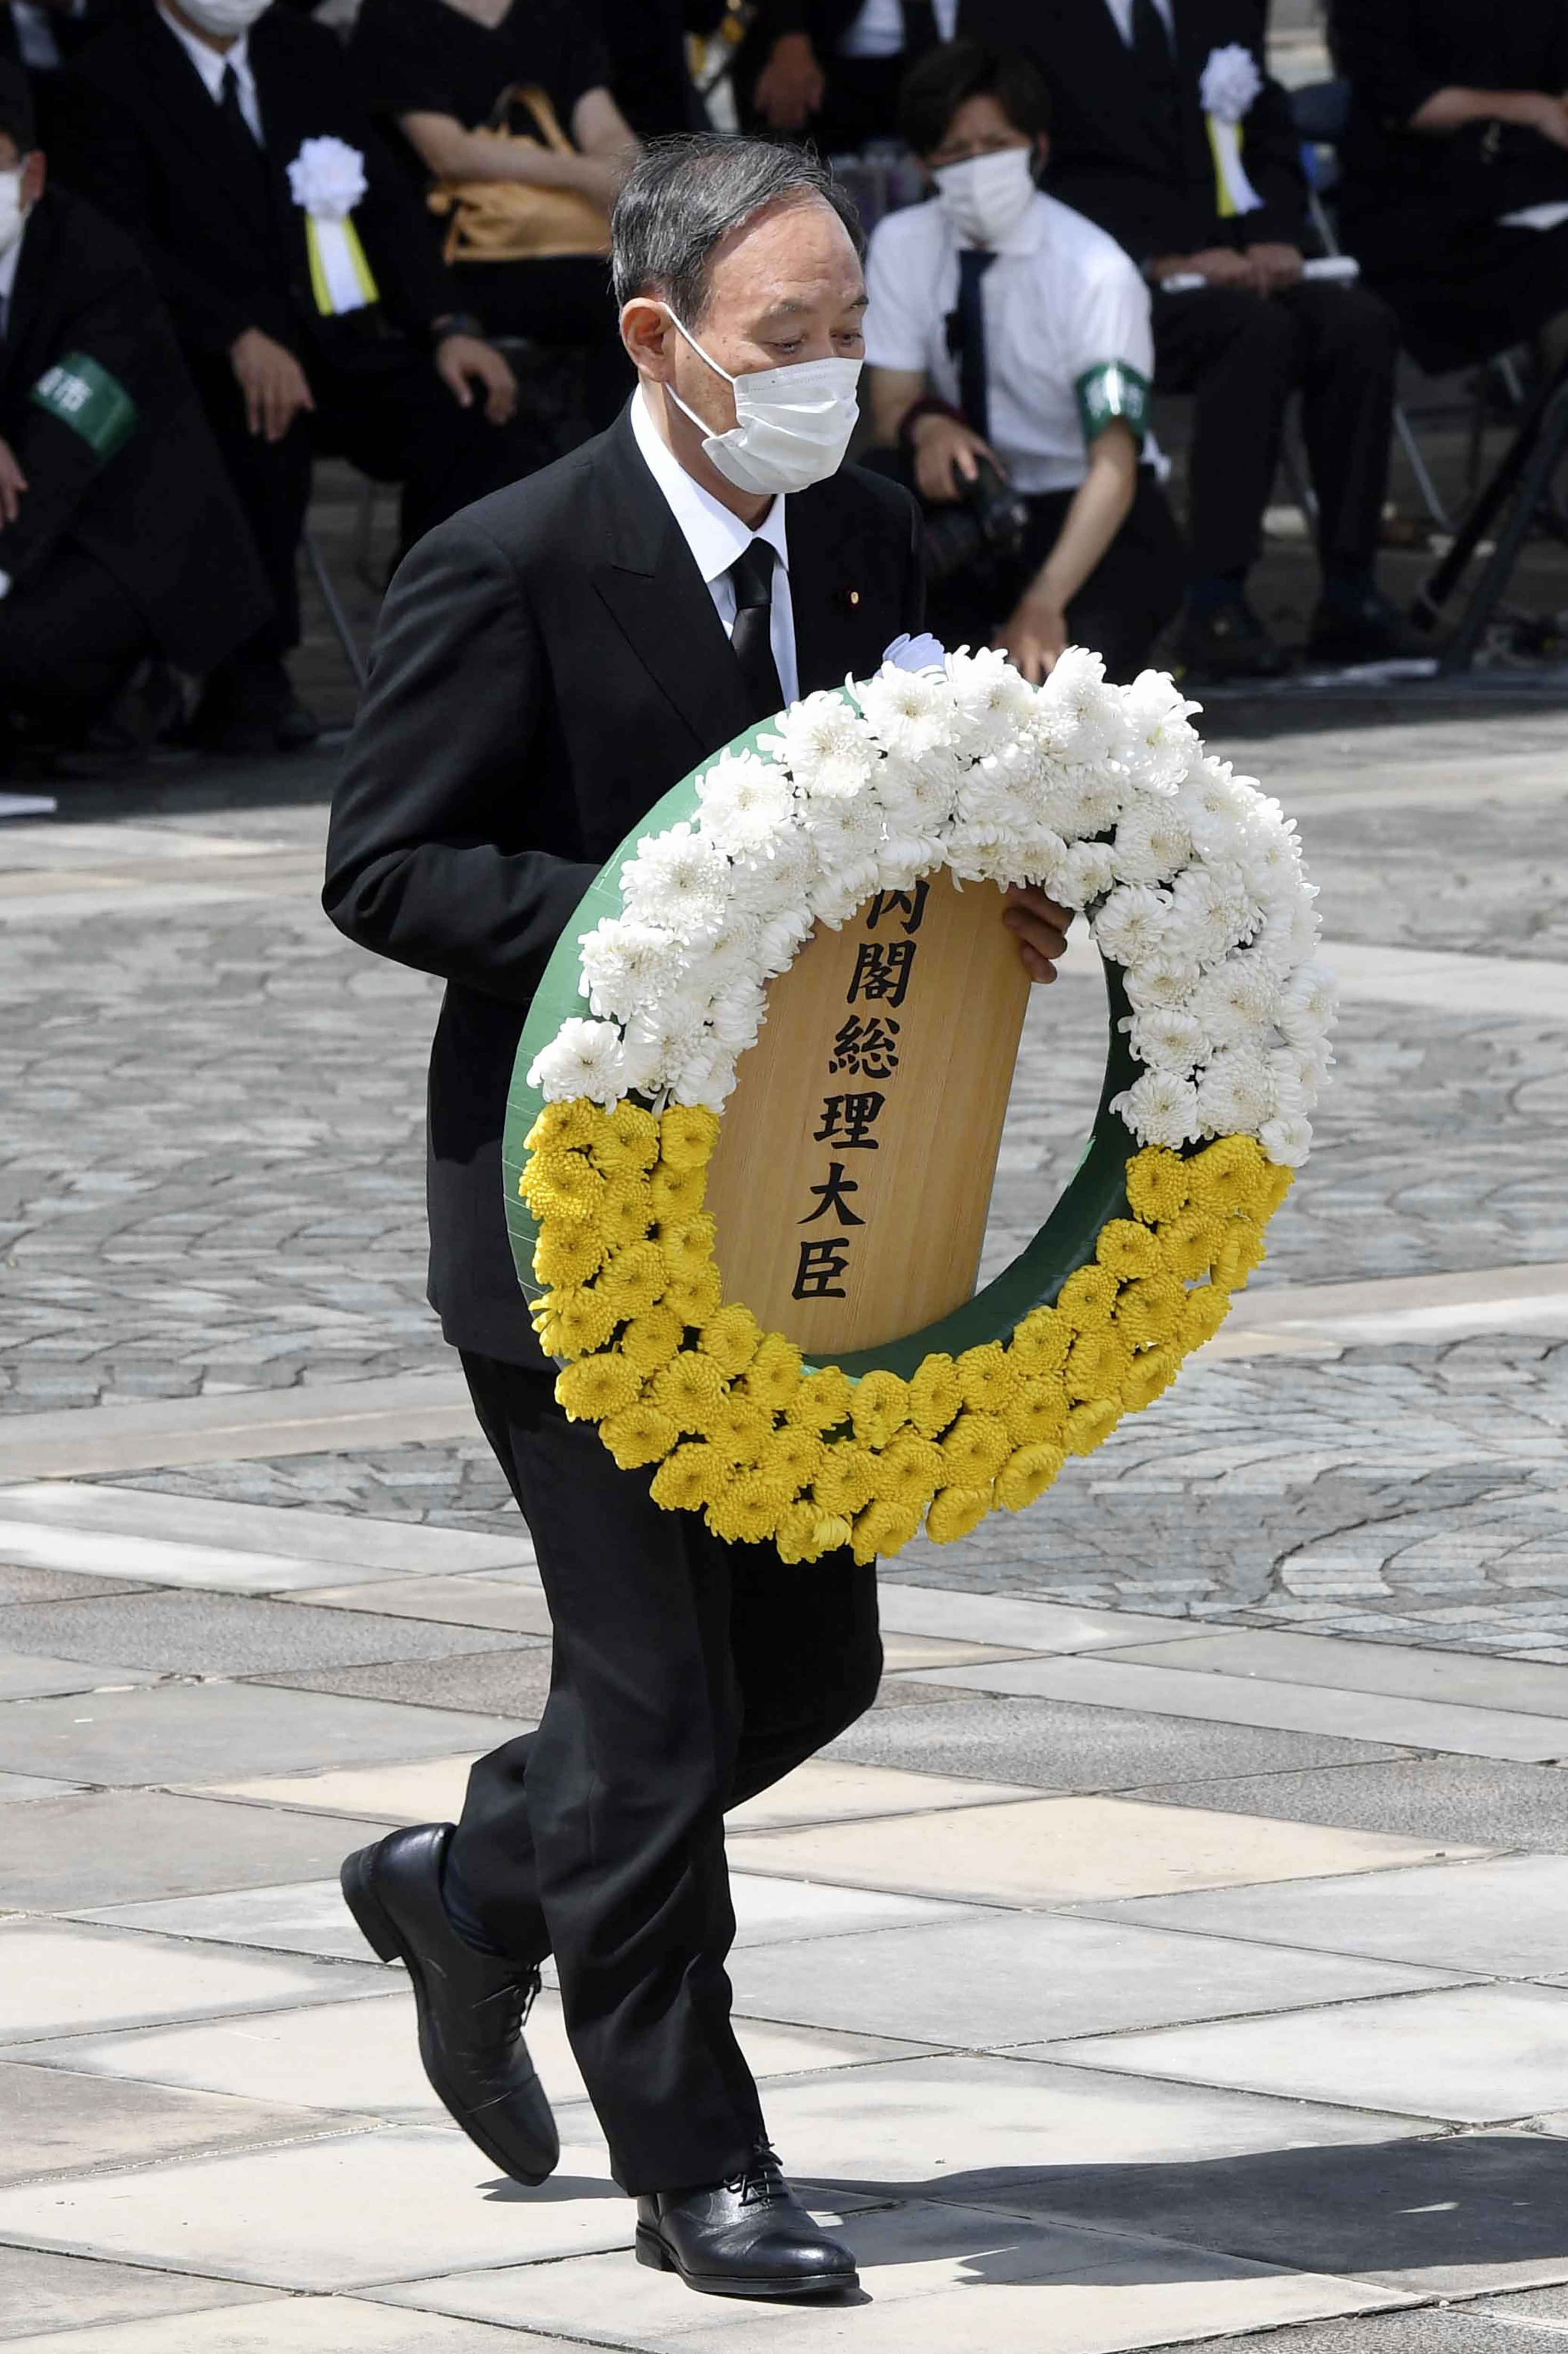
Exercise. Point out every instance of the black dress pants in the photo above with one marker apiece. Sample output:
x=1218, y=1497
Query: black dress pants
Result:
x=398, y=422
x=1240, y=356
x=686, y=1675
x=68, y=638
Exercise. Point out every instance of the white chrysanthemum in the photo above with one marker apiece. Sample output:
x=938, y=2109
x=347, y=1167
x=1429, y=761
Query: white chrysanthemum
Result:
x=1297, y=1080
x=1133, y=927
x=1237, y=1092
x=1160, y=741
x=981, y=853
x=838, y=894
x=707, y=1081
x=1084, y=801
x=1151, y=843
x=779, y=940
x=1215, y=805
x=993, y=702
x=747, y=803
x=1236, y=1000
x=1309, y=1005
x=920, y=797
x=825, y=745
x=625, y=961
x=904, y=858
x=1288, y=936
x=678, y=879
x=1269, y=857
x=780, y=876
x=662, y=1036
x=1166, y=1039
x=1083, y=874
x=737, y=1016
x=1210, y=914
x=843, y=833
x=1286, y=1141
x=1162, y=978
x=583, y=1058
x=1077, y=716
x=1160, y=1108
x=910, y=712
x=727, y=958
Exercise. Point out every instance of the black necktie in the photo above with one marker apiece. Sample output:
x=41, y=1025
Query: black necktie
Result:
x=752, y=574
x=969, y=340
x=241, y=138
x=920, y=32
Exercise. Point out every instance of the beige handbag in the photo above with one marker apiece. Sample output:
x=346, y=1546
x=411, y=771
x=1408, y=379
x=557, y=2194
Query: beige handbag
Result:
x=512, y=220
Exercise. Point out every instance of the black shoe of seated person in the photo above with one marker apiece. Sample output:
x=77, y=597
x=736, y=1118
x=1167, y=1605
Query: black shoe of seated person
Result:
x=1228, y=642
x=748, y=2237
x=470, y=2005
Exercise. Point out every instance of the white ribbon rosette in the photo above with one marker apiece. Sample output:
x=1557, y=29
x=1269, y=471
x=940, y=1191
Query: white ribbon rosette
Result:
x=1226, y=90
x=327, y=180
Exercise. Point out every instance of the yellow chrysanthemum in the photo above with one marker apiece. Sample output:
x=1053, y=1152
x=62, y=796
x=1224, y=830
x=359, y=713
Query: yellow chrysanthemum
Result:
x=687, y=1136
x=773, y=1375
x=1150, y=1309
x=625, y=1212
x=1229, y=1174
x=847, y=1481
x=956, y=1511
x=1090, y=1423
x=651, y=1340
x=806, y=1532
x=1277, y=1183
x=1087, y=1298
x=695, y=1296
x=884, y=1527
x=820, y=1400
x=1240, y=1252
x=987, y=1379
x=1096, y=1365
x=1157, y=1186
x=733, y=1337
x=1206, y=1310
x=1150, y=1372
x=879, y=1404
x=689, y=1247
x=910, y=1472
x=597, y=1387
x=566, y=1254
x=1127, y=1250
x=639, y=1435
x=634, y=1134
x=935, y=1396
x=678, y=1194
x=574, y=1126
x=741, y=1430
x=575, y=1323
x=1189, y=1242
x=635, y=1278
x=975, y=1449
x=1038, y=1414
x=560, y=1183
x=1041, y=1343
x=793, y=1455
x=693, y=1476
x=750, y=1510
x=1026, y=1475
x=690, y=1388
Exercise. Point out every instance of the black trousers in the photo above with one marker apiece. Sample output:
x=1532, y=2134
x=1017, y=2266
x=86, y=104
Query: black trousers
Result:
x=686, y=1675
x=1240, y=356
x=68, y=638
x=565, y=303
x=398, y=422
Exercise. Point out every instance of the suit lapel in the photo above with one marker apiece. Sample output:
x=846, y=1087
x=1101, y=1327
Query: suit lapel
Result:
x=188, y=110
x=839, y=617
x=28, y=293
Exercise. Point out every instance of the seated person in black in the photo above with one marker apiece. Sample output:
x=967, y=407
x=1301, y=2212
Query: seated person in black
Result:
x=1134, y=88
x=650, y=79
x=121, y=541
x=1455, y=196
x=435, y=73
x=304, y=286
x=1004, y=328
x=829, y=70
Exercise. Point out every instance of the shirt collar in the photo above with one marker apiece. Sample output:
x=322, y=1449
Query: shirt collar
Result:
x=1026, y=236
x=209, y=62
x=11, y=257
x=714, y=534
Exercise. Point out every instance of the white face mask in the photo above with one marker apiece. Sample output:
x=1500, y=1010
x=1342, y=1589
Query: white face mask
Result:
x=13, y=211
x=224, y=20
x=792, y=424
x=986, y=197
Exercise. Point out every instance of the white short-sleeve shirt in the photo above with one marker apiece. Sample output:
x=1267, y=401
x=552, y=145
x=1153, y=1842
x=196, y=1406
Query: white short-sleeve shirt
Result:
x=1068, y=342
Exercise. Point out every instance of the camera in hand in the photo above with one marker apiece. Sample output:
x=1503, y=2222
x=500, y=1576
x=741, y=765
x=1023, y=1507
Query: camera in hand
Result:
x=985, y=526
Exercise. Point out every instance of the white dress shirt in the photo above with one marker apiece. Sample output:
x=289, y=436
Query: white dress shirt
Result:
x=716, y=537
x=1066, y=317
x=8, y=260
x=211, y=65
x=1121, y=12
x=878, y=31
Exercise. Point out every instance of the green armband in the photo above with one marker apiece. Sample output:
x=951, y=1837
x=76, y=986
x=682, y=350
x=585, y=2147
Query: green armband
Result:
x=82, y=393
x=1110, y=392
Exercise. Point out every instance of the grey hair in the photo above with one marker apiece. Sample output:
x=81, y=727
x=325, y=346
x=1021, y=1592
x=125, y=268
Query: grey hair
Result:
x=684, y=196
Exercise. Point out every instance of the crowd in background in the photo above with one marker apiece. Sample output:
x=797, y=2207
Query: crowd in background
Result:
x=237, y=236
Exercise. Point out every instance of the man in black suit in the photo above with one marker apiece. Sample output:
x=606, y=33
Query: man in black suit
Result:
x=549, y=665
x=1133, y=149
x=120, y=538
x=829, y=70
x=303, y=332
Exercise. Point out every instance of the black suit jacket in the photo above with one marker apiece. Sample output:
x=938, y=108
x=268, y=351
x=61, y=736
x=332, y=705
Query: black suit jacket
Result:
x=548, y=664
x=137, y=132
x=1115, y=158
x=158, y=511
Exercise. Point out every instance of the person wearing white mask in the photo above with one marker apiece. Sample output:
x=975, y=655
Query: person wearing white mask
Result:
x=549, y=665
x=1006, y=331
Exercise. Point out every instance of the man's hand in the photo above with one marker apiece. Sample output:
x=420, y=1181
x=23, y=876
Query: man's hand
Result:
x=13, y=482
x=1278, y=266
x=463, y=361
x=1217, y=263
x=1041, y=929
x=1034, y=635
x=791, y=83
x=941, y=444
x=1537, y=110
x=272, y=381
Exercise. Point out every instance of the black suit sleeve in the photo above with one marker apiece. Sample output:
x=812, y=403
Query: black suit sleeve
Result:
x=438, y=775
x=397, y=233
x=1272, y=154
x=1378, y=53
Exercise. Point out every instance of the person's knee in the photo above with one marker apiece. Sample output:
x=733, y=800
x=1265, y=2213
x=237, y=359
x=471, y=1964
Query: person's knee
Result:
x=1353, y=325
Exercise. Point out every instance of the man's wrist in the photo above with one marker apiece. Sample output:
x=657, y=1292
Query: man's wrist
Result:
x=914, y=417
x=454, y=323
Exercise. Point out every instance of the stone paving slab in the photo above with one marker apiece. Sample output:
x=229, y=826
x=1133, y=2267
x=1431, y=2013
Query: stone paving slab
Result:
x=823, y=1791
x=17, y=1789
x=1467, y=1798
x=1014, y=1620
x=509, y=1682
x=1532, y=2324
x=1512, y=1685
x=293, y=2325
x=61, y=1978
x=151, y=1561
x=227, y=1635
x=60, y=2122
x=28, y=1675
x=300, y=1534
x=1067, y=1851
x=125, y=1847
x=401, y=1790
x=48, y=2294
x=57, y=1584
x=458, y=1600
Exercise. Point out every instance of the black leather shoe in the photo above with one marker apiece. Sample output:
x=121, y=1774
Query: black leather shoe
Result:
x=1229, y=642
x=747, y=2237
x=470, y=2005
x=1373, y=631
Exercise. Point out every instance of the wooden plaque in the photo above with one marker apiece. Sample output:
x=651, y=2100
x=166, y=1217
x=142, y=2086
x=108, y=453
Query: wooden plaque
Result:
x=853, y=1171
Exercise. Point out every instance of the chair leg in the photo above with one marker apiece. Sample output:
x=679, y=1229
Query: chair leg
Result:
x=336, y=614
x=1551, y=438
x=1422, y=472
